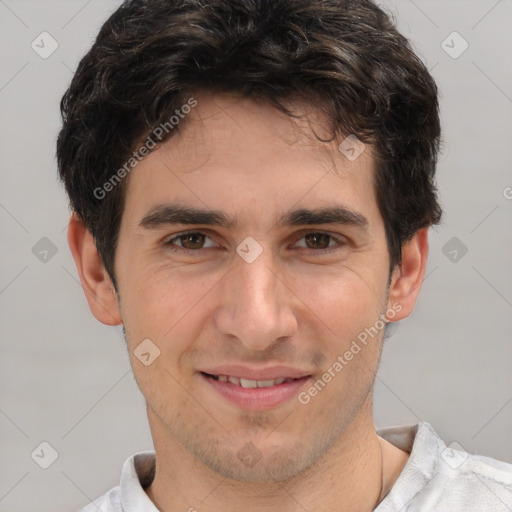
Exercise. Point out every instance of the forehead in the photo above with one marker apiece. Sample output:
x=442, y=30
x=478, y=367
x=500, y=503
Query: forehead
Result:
x=229, y=152
x=228, y=126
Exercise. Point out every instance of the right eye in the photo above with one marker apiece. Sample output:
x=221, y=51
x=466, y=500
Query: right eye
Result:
x=191, y=241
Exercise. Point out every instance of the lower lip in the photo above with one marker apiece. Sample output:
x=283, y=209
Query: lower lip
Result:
x=257, y=399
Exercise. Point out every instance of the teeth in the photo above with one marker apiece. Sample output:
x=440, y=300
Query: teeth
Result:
x=248, y=383
x=266, y=383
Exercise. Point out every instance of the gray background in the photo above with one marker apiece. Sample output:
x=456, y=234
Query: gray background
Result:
x=65, y=378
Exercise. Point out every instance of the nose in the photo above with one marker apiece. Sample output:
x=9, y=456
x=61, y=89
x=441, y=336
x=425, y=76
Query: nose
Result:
x=257, y=306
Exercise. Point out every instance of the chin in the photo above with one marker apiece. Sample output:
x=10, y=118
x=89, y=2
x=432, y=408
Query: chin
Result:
x=249, y=464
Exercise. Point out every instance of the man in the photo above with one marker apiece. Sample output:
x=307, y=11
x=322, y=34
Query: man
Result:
x=252, y=185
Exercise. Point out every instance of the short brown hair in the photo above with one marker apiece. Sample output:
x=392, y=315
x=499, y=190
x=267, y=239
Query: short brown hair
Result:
x=345, y=57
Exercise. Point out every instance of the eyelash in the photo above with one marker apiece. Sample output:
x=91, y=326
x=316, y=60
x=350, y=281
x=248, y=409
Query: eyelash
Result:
x=169, y=245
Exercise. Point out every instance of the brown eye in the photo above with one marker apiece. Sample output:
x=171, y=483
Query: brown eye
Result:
x=317, y=240
x=318, y=243
x=191, y=241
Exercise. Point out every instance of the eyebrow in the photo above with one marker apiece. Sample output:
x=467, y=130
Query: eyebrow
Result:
x=170, y=214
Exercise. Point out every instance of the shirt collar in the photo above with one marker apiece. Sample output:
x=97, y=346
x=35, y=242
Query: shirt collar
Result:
x=136, y=475
x=424, y=446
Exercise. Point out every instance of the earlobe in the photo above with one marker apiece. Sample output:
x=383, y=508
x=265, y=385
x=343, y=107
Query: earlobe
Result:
x=97, y=285
x=408, y=276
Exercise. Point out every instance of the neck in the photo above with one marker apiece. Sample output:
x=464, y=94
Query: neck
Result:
x=354, y=475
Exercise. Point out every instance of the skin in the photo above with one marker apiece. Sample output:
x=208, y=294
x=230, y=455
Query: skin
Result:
x=291, y=306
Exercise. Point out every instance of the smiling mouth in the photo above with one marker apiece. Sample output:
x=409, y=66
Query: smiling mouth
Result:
x=249, y=383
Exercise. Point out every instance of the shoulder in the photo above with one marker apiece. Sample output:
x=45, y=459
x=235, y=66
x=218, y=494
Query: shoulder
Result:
x=446, y=478
x=474, y=482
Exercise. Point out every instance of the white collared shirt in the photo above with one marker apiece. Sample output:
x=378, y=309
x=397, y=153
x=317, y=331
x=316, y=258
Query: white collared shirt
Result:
x=436, y=478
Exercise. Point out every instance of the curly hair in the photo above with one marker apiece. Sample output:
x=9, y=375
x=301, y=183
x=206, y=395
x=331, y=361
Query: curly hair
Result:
x=343, y=57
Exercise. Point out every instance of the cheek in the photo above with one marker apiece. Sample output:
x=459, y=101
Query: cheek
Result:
x=161, y=301
x=352, y=343
x=345, y=298
x=164, y=305
x=349, y=303
x=173, y=303
x=159, y=309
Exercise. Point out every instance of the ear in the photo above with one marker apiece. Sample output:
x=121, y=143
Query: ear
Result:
x=408, y=276
x=96, y=283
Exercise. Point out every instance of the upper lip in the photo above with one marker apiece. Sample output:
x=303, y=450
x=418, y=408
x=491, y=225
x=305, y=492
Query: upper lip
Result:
x=269, y=373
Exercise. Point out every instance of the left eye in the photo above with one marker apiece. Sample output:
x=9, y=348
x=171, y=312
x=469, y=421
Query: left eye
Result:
x=193, y=241
x=318, y=238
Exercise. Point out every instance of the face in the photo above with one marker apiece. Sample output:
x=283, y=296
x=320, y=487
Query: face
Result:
x=235, y=308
